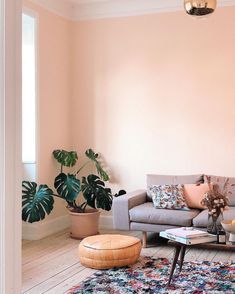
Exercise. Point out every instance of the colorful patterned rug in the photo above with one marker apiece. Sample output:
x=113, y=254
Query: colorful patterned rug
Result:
x=151, y=275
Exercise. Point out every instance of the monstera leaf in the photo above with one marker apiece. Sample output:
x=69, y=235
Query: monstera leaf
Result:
x=67, y=186
x=36, y=203
x=120, y=193
x=94, y=156
x=65, y=158
x=95, y=193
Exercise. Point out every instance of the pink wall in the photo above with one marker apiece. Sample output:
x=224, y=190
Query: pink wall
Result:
x=54, y=90
x=156, y=94
x=153, y=93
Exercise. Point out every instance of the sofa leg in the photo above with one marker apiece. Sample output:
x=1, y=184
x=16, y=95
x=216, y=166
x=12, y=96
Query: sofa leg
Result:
x=144, y=240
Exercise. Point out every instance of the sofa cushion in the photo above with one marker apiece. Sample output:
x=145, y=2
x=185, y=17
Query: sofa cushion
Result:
x=220, y=181
x=170, y=180
x=201, y=220
x=146, y=213
x=168, y=196
x=194, y=194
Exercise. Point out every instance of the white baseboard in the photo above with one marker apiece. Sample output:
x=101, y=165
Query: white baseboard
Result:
x=40, y=230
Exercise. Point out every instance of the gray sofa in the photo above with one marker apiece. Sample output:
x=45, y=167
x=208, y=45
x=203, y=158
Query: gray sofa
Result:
x=135, y=210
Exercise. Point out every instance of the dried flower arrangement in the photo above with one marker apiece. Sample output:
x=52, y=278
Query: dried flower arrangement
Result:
x=215, y=201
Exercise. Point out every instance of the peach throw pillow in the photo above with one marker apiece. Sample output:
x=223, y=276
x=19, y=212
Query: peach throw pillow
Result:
x=194, y=194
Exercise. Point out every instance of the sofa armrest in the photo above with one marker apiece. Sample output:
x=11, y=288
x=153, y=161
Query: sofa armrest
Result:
x=122, y=205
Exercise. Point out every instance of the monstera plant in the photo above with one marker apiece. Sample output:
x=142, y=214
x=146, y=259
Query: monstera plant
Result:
x=38, y=201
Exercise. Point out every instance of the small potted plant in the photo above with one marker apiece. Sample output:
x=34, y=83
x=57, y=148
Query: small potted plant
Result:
x=37, y=202
x=215, y=201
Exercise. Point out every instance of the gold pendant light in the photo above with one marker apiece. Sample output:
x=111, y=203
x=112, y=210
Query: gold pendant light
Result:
x=199, y=7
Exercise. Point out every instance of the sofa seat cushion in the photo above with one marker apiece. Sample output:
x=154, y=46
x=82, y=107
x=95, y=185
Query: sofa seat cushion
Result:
x=201, y=220
x=147, y=213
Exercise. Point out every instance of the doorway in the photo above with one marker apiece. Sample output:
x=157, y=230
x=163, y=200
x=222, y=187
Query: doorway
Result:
x=10, y=146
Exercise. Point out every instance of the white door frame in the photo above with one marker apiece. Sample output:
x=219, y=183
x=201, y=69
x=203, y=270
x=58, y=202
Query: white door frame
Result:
x=10, y=146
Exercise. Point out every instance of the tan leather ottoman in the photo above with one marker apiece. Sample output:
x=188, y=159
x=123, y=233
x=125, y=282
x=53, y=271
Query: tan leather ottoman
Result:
x=107, y=251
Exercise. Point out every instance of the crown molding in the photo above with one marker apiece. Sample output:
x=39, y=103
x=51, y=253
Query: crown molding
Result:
x=77, y=10
x=119, y=8
x=62, y=8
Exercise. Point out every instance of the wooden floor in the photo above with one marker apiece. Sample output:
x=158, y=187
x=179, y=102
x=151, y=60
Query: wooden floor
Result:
x=51, y=265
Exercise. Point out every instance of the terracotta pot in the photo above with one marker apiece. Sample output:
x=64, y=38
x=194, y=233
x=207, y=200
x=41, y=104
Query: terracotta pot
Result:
x=84, y=224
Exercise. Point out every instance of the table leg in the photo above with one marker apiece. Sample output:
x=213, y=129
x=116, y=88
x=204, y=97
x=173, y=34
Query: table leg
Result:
x=182, y=254
x=177, y=252
x=144, y=240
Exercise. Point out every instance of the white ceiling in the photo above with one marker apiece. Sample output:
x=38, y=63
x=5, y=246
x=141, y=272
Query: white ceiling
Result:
x=95, y=9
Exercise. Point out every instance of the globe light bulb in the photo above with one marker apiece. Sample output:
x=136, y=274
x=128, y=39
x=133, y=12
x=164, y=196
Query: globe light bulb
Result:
x=199, y=7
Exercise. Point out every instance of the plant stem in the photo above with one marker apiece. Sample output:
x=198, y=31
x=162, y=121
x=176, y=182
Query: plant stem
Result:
x=82, y=204
x=75, y=204
x=84, y=207
x=86, y=163
x=61, y=168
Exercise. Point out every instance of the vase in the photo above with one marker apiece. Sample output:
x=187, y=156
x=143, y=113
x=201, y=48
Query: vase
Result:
x=214, y=224
x=84, y=224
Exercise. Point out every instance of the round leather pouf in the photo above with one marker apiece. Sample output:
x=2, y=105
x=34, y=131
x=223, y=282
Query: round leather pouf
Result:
x=107, y=251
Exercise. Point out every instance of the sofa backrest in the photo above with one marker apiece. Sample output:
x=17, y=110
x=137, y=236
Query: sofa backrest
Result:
x=171, y=180
x=220, y=181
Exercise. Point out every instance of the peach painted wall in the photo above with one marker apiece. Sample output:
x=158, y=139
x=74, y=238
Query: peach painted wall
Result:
x=156, y=94
x=54, y=90
x=153, y=93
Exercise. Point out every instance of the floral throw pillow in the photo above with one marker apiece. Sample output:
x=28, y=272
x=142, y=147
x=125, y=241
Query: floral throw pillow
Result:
x=168, y=196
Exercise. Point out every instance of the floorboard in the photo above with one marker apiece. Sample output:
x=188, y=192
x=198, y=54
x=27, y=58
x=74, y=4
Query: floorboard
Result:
x=51, y=265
